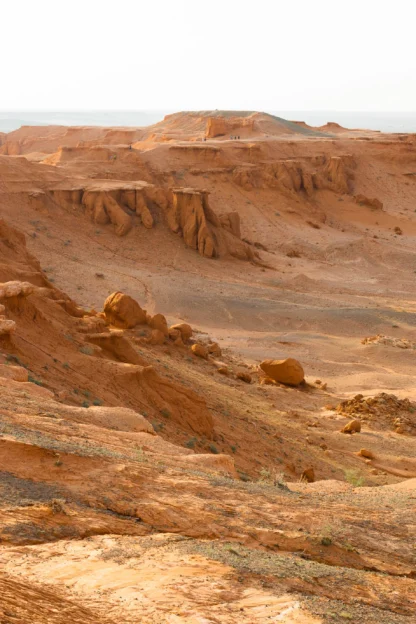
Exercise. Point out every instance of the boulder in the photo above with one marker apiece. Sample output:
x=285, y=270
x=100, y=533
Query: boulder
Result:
x=185, y=330
x=200, y=350
x=366, y=453
x=289, y=371
x=366, y=201
x=223, y=370
x=157, y=337
x=158, y=321
x=14, y=289
x=214, y=349
x=354, y=426
x=308, y=475
x=6, y=326
x=176, y=336
x=123, y=311
x=246, y=377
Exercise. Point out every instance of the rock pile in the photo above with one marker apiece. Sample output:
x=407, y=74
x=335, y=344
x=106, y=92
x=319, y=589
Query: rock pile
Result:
x=382, y=410
x=379, y=339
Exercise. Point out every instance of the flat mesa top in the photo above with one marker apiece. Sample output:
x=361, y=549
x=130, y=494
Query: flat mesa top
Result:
x=104, y=185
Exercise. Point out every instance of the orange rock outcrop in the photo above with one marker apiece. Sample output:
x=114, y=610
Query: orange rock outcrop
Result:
x=191, y=216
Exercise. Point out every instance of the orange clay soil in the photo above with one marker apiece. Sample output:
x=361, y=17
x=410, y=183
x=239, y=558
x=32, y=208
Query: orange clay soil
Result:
x=150, y=475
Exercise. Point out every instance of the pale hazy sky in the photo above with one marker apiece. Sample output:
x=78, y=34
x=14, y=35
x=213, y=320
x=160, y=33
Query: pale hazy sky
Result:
x=194, y=54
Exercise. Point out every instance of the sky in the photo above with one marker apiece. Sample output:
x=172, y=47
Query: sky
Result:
x=202, y=55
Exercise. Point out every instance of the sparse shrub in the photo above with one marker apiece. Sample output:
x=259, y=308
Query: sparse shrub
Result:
x=165, y=412
x=65, y=365
x=265, y=475
x=38, y=382
x=354, y=477
x=85, y=404
x=57, y=505
x=86, y=349
x=275, y=478
x=233, y=448
x=140, y=456
x=326, y=535
x=244, y=476
x=191, y=443
x=58, y=462
x=97, y=402
x=213, y=449
x=13, y=358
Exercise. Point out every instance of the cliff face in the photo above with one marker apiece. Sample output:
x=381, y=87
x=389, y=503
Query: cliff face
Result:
x=114, y=203
x=191, y=216
x=332, y=173
x=221, y=126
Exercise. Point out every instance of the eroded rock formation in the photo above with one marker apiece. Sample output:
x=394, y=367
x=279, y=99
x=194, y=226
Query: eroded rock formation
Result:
x=294, y=176
x=114, y=202
x=191, y=216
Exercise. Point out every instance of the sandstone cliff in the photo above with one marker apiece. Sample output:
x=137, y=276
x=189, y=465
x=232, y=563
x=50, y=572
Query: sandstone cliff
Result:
x=191, y=216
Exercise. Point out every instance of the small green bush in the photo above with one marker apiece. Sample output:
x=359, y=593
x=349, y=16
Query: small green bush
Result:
x=354, y=477
x=35, y=381
x=86, y=349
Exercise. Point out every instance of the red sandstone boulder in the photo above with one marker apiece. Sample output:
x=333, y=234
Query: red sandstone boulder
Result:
x=123, y=311
x=287, y=371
